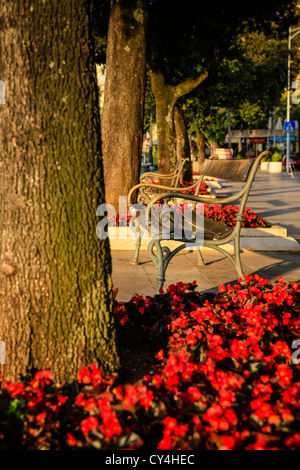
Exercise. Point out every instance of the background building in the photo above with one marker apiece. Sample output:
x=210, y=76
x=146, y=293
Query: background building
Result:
x=252, y=142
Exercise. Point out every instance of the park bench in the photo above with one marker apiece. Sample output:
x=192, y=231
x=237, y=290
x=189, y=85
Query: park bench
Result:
x=213, y=234
x=291, y=166
x=173, y=178
x=143, y=192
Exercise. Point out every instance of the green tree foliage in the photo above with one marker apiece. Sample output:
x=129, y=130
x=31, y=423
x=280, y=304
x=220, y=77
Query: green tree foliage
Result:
x=242, y=45
x=250, y=81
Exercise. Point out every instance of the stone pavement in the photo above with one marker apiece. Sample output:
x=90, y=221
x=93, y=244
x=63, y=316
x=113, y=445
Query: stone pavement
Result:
x=275, y=197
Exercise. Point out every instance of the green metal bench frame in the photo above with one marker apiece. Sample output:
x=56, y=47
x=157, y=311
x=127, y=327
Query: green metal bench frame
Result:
x=174, y=177
x=146, y=190
x=231, y=170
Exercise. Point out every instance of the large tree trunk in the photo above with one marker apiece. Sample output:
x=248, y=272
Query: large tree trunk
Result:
x=123, y=108
x=55, y=283
x=166, y=96
x=200, y=140
x=182, y=144
x=166, y=140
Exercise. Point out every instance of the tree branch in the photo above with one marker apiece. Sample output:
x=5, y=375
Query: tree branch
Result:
x=157, y=79
x=188, y=85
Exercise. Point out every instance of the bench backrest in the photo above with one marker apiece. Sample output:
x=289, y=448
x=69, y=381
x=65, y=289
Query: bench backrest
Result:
x=233, y=170
x=179, y=167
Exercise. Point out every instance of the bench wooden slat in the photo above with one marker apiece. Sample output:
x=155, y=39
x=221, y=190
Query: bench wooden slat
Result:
x=212, y=230
x=190, y=226
x=235, y=170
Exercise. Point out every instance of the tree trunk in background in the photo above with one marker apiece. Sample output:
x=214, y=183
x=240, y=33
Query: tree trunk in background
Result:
x=165, y=97
x=182, y=143
x=55, y=283
x=123, y=108
x=200, y=140
x=201, y=146
x=166, y=140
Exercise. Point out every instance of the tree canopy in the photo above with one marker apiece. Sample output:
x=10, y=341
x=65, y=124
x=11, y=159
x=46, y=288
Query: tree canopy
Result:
x=242, y=47
x=250, y=81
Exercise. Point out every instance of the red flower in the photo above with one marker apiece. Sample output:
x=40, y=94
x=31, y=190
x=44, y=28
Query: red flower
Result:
x=80, y=400
x=33, y=402
x=96, y=375
x=44, y=374
x=284, y=374
x=160, y=355
x=90, y=404
x=14, y=389
x=61, y=399
x=157, y=381
x=84, y=376
x=71, y=440
x=111, y=426
x=194, y=394
x=41, y=417
x=228, y=443
x=124, y=320
x=89, y=424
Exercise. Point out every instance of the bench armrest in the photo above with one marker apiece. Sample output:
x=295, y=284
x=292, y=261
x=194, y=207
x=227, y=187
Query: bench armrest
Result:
x=159, y=186
x=198, y=199
x=157, y=175
x=173, y=174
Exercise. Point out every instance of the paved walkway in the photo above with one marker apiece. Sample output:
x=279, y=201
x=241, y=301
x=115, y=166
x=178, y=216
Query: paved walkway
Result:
x=275, y=197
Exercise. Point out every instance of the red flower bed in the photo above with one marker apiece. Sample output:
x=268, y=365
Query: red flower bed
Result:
x=223, y=214
x=227, y=215
x=203, y=188
x=185, y=184
x=226, y=377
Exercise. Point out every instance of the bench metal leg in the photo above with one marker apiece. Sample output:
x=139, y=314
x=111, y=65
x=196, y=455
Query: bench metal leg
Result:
x=161, y=258
x=156, y=253
x=237, y=258
x=160, y=281
x=135, y=259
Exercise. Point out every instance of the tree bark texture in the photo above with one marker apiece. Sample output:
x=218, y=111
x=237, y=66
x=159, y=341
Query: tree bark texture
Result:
x=200, y=140
x=123, y=108
x=182, y=144
x=166, y=96
x=55, y=274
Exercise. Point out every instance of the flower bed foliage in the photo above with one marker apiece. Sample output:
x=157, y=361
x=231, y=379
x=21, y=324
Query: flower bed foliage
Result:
x=225, y=214
x=203, y=187
x=202, y=191
x=223, y=378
